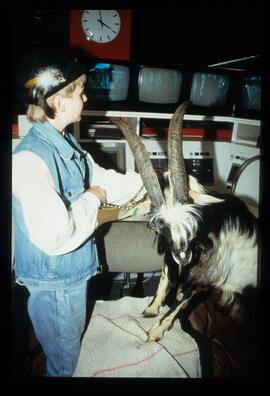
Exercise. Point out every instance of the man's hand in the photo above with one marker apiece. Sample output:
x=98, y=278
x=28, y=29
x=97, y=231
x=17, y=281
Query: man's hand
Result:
x=99, y=192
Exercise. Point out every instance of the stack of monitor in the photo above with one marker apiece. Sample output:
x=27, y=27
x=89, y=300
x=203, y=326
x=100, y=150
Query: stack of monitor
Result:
x=123, y=85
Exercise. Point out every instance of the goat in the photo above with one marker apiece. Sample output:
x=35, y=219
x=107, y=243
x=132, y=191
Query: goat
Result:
x=213, y=239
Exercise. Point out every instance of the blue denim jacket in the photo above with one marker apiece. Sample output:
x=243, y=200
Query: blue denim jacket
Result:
x=71, y=173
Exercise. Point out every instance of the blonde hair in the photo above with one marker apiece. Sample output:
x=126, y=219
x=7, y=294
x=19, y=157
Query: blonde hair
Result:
x=36, y=113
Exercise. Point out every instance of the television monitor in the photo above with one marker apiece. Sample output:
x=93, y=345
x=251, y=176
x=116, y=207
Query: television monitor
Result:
x=211, y=91
x=249, y=97
x=160, y=88
x=109, y=85
x=109, y=155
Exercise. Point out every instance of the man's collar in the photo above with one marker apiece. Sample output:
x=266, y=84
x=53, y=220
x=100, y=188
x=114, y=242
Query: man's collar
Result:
x=49, y=132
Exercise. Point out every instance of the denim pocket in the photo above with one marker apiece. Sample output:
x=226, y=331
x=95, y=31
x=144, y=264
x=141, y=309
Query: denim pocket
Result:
x=74, y=187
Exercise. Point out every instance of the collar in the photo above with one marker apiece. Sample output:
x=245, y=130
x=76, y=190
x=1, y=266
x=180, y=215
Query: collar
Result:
x=50, y=133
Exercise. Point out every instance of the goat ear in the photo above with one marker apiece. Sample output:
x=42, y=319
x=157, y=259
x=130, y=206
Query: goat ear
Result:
x=203, y=199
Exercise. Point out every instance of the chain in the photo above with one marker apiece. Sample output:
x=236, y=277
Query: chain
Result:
x=129, y=205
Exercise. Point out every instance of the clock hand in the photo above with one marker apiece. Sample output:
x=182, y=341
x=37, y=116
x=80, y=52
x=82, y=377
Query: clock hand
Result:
x=105, y=25
x=100, y=20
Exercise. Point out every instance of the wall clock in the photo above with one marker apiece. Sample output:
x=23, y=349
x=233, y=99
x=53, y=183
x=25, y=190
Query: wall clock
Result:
x=101, y=33
x=101, y=26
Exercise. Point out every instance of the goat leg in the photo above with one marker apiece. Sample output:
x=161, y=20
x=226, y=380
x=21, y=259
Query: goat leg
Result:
x=157, y=331
x=160, y=296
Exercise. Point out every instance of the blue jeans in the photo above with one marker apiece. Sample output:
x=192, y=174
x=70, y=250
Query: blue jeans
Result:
x=58, y=318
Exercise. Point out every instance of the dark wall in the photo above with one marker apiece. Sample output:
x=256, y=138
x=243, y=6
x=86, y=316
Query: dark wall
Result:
x=188, y=36
x=196, y=36
x=32, y=27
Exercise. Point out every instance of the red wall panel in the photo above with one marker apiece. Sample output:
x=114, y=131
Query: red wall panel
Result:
x=119, y=48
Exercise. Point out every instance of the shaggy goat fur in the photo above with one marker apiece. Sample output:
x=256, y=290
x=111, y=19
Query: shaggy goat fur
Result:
x=214, y=245
x=212, y=240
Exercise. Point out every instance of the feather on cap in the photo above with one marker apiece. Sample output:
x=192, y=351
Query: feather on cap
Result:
x=43, y=72
x=45, y=79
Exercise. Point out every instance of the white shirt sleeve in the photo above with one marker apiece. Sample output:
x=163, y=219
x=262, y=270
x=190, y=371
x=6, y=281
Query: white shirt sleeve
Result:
x=120, y=188
x=51, y=227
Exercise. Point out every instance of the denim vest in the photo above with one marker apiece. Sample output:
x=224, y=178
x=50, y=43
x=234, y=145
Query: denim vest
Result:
x=72, y=173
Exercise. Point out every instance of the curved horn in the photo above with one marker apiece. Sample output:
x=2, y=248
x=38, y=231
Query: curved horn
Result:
x=144, y=164
x=176, y=164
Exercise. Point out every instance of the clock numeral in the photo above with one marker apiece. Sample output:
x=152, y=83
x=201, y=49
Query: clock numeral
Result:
x=108, y=37
x=100, y=38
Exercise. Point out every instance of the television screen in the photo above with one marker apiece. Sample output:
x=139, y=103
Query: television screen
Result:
x=109, y=155
x=108, y=82
x=158, y=85
x=250, y=93
x=209, y=89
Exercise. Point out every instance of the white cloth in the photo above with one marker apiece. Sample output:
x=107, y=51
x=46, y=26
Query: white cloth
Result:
x=51, y=227
x=114, y=345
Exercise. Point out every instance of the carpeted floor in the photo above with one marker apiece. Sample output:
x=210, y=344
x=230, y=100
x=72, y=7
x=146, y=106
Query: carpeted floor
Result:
x=27, y=356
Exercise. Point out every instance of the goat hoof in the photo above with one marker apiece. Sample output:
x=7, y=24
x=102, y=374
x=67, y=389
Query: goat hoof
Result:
x=150, y=313
x=153, y=336
x=147, y=314
x=150, y=339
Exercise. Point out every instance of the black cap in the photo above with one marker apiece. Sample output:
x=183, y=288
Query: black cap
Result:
x=44, y=72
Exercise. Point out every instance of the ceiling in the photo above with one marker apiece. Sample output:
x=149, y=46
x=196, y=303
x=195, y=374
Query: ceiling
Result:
x=183, y=36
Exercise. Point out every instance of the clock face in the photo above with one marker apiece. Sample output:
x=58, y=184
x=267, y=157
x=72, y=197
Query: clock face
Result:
x=101, y=26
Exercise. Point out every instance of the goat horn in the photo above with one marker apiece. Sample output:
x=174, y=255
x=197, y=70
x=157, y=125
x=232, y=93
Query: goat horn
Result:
x=144, y=164
x=176, y=164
